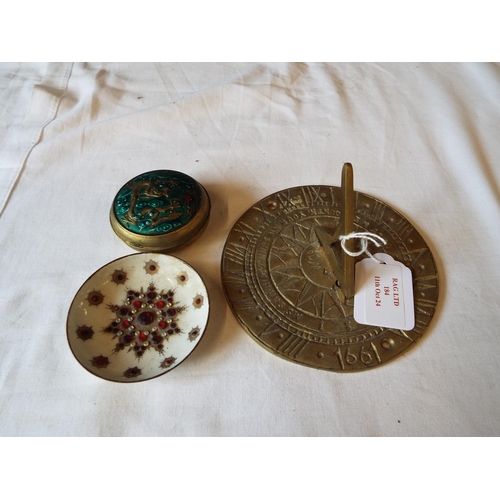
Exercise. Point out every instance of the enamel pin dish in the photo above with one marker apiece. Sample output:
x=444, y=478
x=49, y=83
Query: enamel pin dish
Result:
x=138, y=317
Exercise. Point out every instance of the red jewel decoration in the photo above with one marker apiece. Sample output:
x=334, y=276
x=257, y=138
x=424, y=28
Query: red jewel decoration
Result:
x=198, y=301
x=133, y=315
x=100, y=361
x=145, y=318
x=182, y=278
x=152, y=268
x=188, y=198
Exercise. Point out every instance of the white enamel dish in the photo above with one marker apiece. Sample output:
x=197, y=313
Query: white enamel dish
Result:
x=138, y=317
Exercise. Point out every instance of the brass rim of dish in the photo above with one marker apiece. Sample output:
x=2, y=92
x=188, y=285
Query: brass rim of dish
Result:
x=166, y=241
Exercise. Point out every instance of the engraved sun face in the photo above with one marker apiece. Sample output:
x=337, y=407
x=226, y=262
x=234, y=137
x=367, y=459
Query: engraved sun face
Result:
x=301, y=272
x=315, y=267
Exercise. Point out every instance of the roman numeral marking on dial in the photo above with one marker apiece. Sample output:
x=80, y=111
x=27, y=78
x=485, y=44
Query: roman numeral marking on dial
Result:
x=235, y=253
x=378, y=211
x=246, y=230
x=285, y=199
x=292, y=346
x=402, y=333
x=425, y=302
x=421, y=283
x=420, y=325
x=313, y=194
x=419, y=252
x=268, y=219
x=244, y=304
x=422, y=304
x=271, y=329
x=404, y=229
x=234, y=277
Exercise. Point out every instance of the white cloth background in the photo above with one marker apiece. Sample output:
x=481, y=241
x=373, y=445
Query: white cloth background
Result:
x=422, y=137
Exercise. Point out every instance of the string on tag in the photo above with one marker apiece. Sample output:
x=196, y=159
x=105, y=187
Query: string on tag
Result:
x=364, y=237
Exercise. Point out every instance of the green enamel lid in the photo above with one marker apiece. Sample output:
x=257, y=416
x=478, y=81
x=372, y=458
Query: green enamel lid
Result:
x=160, y=210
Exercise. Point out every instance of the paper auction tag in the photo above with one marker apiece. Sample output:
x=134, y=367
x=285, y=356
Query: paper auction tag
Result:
x=384, y=293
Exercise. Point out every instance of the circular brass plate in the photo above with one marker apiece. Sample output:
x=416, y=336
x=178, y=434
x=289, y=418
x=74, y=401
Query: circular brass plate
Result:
x=281, y=289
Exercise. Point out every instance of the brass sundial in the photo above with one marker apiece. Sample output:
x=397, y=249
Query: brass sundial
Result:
x=291, y=286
